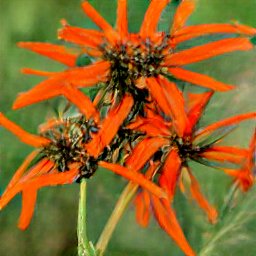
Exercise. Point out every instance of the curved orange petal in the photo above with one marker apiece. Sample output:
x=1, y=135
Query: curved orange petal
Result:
x=52, y=51
x=111, y=35
x=190, y=32
x=151, y=18
x=199, y=79
x=203, y=52
x=30, y=71
x=122, y=19
x=135, y=177
x=167, y=219
x=143, y=152
x=25, y=137
x=170, y=173
x=184, y=10
x=53, y=86
x=80, y=36
x=201, y=200
x=110, y=126
x=226, y=122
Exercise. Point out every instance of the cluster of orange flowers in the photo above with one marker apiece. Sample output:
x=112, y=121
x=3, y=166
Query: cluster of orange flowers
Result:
x=139, y=124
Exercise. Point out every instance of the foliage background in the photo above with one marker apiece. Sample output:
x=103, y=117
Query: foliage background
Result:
x=53, y=229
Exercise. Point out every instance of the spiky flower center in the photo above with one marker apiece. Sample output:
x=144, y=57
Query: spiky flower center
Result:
x=67, y=145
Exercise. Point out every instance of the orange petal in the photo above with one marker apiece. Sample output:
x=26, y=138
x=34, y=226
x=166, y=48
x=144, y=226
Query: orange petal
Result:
x=190, y=32
x=135, y=177
x=226, y=122
x=201, y=200
x=196, y=105
x=30, y=71
x=81, y=101
x=143, y=152
x=225, y=153
x=122, y=20
x=25, y=137
x=109, y=32
x=199, y=79
x=170, y=173
x=203, y=52
x=184, y=10
x=167, y=219
x=110, y=126
x=142, y=204
x=28, y=206
x=79, y=77
x=176, y=101
x=80, y=36
x=52, y=51
x=151, y=18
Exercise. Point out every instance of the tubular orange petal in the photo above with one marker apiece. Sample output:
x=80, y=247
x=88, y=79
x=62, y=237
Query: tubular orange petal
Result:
x=184, y=10
x=135, y=177
x=190, y=32
x=170, y=173
x=52, y=51
x=110, y=126
x=167, y=219
x=176, y=101
x=143, y=152
x=226, y=122
x=80, y=36
x=151, y=18
x=203, y=52
x=196, y=105
x=122, y=20
x=225, y=153
x=78, y=77
x=142, y=204
x=199, y=79
x=25, y=137
x=109, y=32
x=29, y=71
x=82, y=102
x=201, y=200
x=28, y=206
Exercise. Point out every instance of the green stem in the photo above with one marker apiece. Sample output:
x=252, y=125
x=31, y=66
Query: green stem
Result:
x=84, y=246
x=116, y=215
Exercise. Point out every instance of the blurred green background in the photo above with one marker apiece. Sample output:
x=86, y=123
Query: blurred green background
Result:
x=53, y=228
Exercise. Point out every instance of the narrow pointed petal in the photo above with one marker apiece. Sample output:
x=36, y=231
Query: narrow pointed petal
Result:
x=143, y=152
x=28, y=206
x=80, y=36
x=52, y=51
x=184, y=10
x=196, y=105
x=199, y=79
x=226, y=122
x=110, y=126
x=201, y=200
x=225, y=153
x=30, y=71
x=142, y=204
x=170, y=173
x=167, y=219
x=25, y=137
x=122, y=19
x=203, y=52
x=135, y=177
x=151, y=18
x=177, y=104
x=109, y=32
x=81, y=101
x=53, y=86
x=165, y=100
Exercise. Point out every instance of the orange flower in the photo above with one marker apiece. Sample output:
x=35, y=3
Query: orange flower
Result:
x=133, y=64
x=66, y=151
